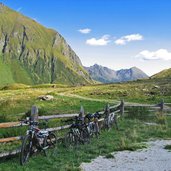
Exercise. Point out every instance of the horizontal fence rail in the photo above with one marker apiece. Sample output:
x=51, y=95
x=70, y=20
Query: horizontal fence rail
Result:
x=3, y=140
x=58, y=116
x=17, y=124
x=10, y=153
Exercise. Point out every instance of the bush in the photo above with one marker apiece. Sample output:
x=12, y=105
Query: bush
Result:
x=160, y=118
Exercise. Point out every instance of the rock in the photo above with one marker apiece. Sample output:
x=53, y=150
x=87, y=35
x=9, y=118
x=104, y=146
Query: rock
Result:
x=156, y=86
x=144, y=89
x=46, y=97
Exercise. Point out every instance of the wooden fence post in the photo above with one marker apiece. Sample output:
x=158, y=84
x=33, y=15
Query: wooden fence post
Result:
x=107, y=109
x=81, y=114
x=122, y=108
x=34, y=113
x=161, y=105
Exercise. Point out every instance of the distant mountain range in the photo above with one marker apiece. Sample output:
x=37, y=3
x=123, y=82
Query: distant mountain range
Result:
x=33, y=54
x=107, y=75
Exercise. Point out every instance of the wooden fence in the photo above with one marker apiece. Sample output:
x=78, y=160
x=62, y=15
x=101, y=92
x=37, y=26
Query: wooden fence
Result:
x=119, y=108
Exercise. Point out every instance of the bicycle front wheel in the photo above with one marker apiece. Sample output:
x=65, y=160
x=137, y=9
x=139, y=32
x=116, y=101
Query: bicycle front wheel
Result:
x=96, y=129
x=70, y=140
x=51, y=140
x=25, y=149
x=85, y=135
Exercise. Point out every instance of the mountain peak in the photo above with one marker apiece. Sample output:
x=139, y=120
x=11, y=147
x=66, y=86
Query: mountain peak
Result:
x=107, y=75
x=134, y=67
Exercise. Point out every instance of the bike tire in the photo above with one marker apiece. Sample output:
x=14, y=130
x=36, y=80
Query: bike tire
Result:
x=70, y=140
x=97, y=130
x=107, y=125
x=51, y=139
x=85, y=135
x=25, y=149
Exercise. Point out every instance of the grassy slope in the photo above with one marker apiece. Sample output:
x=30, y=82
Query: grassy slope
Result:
x=20, y=100
x=6, y=72
x=144, y=91
x=12, y=72
x=39, y=44
x=163, y=74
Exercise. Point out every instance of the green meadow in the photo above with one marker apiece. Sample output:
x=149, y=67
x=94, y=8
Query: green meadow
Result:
x=16, y=100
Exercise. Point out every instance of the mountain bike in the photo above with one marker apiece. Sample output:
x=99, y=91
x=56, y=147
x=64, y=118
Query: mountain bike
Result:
x=109, y=120
x=35, y=140
x=78, y=134
x=92, y=124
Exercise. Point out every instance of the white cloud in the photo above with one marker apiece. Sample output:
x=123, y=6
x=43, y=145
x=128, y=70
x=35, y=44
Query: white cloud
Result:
x=35, y=19
x=85, y=31
x=19, y=9
x=161, y=54
x=128, y=38
x=103, y=41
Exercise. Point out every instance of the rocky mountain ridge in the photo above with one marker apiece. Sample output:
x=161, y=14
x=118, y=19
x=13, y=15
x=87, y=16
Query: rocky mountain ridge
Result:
x=33, y=54
x=107, y=75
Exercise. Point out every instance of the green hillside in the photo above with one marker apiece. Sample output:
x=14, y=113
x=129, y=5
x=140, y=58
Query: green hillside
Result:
x=163, y=74
x=13, y=72
x=33, y=54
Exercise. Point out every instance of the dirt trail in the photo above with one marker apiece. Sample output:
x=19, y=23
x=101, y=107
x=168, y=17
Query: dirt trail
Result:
x=87, y=98
x=154, y=158
x=105, y=100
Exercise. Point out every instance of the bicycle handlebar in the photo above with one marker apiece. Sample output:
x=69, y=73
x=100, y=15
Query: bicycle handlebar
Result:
x=26, y=121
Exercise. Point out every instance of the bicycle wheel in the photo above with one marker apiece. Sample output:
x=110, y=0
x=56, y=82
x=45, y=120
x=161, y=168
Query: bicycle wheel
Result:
x=85, y=136
x=106, y=123
x=51, y=140
x=96, y=129
x=70, y=139
x=112, y=120
x=90, y=129
x=25, y=149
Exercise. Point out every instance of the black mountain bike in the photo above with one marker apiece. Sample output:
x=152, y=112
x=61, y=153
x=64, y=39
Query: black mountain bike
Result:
x=78, y=134
x=35, y=140
x=92, y=124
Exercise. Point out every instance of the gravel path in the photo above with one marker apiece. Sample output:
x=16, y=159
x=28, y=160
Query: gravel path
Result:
x=154, y=158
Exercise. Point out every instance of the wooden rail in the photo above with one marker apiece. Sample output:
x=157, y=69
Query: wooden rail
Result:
x=17, y=124
x=57, y=116
x=3, y=140
x=10, y=124
x=139, y=105
x=10, y=153
x=115, y=106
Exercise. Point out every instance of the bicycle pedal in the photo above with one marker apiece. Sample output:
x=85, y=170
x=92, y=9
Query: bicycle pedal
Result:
x=45, y=147
x=35, y=150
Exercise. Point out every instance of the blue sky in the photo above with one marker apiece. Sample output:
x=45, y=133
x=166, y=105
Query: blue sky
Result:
x=113, y=33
